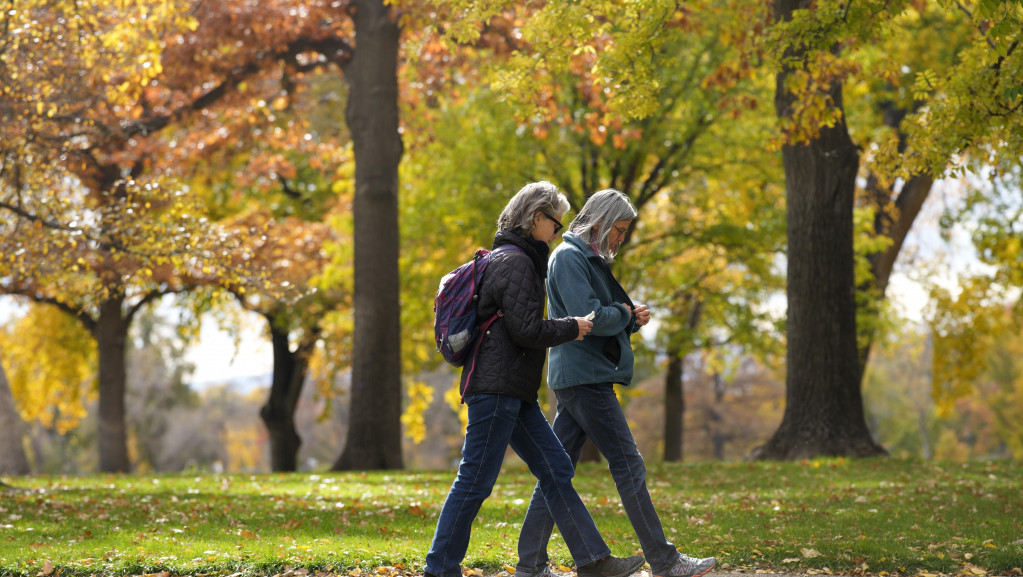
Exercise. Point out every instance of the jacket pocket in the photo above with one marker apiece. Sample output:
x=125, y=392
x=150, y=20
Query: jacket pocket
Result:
x=613, y=350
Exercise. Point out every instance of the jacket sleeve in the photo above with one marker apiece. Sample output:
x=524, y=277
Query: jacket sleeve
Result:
x=521, y=297
x=570, y=281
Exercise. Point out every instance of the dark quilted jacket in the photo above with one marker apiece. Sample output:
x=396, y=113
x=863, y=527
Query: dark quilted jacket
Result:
x=512, y=353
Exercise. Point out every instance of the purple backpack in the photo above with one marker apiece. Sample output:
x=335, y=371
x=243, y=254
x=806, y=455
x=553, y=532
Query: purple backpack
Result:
x=456, y=327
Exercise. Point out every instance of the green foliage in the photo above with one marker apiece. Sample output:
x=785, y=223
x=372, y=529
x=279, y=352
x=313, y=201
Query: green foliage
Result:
x=622, y=38
x=829, y=516
x=872, y=314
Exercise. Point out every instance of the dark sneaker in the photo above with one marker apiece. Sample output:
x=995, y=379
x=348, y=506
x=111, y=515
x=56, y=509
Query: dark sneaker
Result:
x=544, y=571
x=612, y=567
x=686, y=566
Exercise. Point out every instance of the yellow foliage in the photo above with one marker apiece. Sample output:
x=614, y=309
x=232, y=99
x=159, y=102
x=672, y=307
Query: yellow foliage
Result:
x=244, y=447
x=420, y=396
x=454, y=400
x=964, y=328
x=51, y=364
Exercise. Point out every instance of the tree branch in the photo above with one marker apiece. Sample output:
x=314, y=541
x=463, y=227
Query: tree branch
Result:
x=969, y=14
x=334, y=50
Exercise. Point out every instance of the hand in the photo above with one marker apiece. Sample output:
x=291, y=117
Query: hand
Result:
x=585, y=327
x=642, y=313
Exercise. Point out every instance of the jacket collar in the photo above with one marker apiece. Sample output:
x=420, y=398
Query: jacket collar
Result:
x=536, y=250
x=578, y=243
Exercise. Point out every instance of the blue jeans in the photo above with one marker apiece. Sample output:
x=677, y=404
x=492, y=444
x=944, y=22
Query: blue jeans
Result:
x=495, y=422
x=593, y=411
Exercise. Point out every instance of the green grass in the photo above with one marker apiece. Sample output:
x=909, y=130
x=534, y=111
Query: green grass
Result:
x=826, y=516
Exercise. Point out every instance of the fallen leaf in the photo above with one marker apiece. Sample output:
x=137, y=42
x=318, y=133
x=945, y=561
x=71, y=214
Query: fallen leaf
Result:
x=971, y=569
x=810, y=553
x=790, y=560
x=47, y=567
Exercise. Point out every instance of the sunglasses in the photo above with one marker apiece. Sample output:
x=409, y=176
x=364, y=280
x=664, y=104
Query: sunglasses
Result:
x=557, y=225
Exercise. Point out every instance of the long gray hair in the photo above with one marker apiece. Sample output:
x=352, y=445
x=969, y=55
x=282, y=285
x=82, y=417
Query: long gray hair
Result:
x=602, y=210
x=518, y=215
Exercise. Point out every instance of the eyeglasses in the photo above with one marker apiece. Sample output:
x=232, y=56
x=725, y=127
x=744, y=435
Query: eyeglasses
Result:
x=620, y=231
x=557, y=225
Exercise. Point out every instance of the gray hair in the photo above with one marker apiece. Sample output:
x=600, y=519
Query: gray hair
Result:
x=602, y=210
x=518, y=216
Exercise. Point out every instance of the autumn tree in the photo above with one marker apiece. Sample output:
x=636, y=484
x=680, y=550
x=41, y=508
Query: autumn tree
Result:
x=292, y=195
x=294, y=252
x=184, y=72
x=824, y=408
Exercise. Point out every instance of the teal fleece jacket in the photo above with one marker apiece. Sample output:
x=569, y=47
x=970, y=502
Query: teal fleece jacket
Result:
x=580, y=282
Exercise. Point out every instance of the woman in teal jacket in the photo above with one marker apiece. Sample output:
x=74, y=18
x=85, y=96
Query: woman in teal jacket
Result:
x=583, y=373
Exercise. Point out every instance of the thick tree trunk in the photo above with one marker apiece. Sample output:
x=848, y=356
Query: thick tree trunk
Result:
x=12, y=449
x=674, y=408
x=824, y=408
x=278, y=414
x=111, y=338
x=374, y=431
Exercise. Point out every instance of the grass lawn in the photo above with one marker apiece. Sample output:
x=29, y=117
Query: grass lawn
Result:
x=875, y=517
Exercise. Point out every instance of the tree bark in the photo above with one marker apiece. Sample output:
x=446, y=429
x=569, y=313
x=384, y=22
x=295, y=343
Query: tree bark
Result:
x=674, y=408
x=12, y=449
x=278, y=414
x=111, y=338
x=824, y=408
x=374, y=432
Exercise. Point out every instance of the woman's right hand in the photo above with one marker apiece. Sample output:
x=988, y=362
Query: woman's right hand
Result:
x=585, y=327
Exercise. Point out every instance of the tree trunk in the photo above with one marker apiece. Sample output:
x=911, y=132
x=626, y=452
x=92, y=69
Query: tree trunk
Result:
x=12, y=449
x=674, y=389
x=719, y=438
x=674, y=408
x=374, y=431
x=824, y=408
x=111, y=337
x=278, y=414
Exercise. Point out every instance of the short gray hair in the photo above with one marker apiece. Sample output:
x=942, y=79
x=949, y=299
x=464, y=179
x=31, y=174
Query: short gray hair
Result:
x=602, y=210
x=517, y=217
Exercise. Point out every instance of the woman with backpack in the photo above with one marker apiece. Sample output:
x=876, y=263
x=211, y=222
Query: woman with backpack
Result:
x=583, y=373
x=502, y=395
